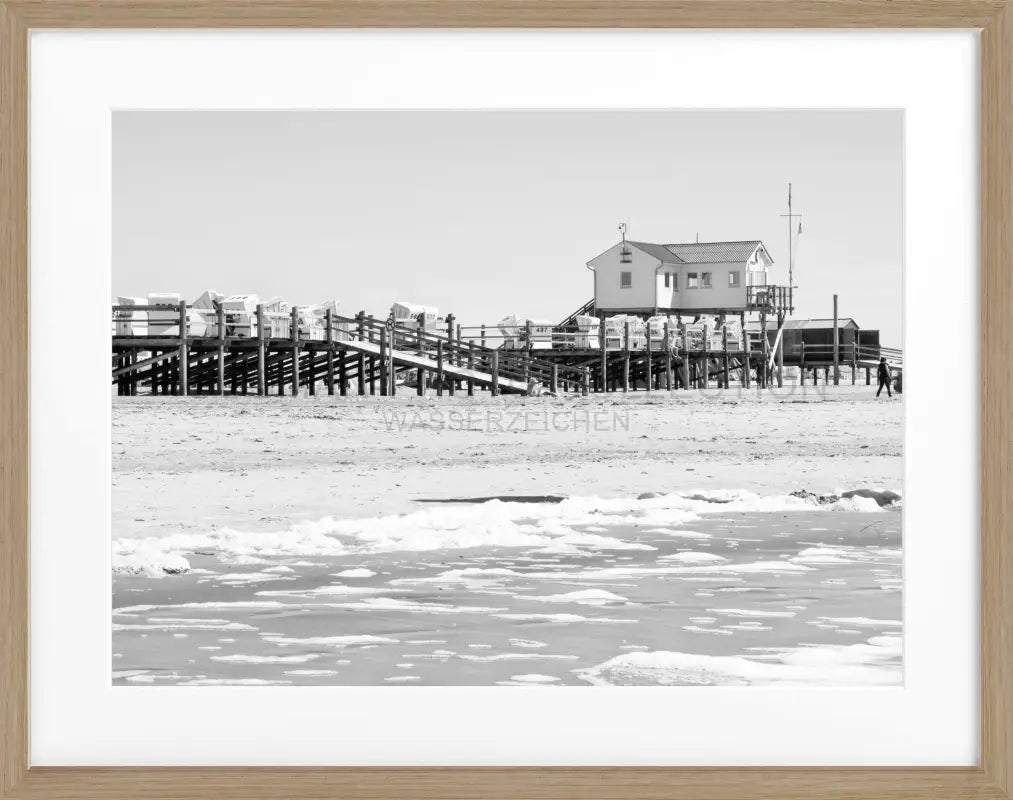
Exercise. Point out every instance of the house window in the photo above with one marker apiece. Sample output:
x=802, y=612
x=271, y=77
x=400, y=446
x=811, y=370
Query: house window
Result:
x=675, y=281
x=625, y=280
x=668, y=280
x=705, y=280
x=733, y=279
x=692, y=280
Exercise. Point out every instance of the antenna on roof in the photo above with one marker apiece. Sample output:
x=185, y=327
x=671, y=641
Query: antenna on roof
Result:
x=791, y=250
x=698, y=237
x=625, y=254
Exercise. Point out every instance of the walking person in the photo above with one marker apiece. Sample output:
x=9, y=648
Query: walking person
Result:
x=883, y=373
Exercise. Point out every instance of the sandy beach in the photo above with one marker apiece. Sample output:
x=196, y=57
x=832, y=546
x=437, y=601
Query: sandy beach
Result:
x=187, y=465
x=509, y=541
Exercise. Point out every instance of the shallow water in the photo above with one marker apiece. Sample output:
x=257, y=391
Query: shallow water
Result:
x=799, y=597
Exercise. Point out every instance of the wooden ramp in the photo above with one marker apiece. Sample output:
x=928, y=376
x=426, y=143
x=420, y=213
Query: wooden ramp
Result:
x=450, y=370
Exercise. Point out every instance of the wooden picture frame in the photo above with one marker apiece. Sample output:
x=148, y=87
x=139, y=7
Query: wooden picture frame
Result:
x=993, y=778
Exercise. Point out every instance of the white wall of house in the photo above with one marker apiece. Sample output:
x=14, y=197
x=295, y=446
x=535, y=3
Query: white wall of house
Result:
x=670, y=295
x=608, y=290
x=720, y=294
x=686, y=289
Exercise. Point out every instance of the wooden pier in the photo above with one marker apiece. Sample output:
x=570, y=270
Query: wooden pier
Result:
x=362, y=355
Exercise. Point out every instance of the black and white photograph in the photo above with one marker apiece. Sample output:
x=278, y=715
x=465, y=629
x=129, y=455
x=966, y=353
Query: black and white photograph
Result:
x=507, y=397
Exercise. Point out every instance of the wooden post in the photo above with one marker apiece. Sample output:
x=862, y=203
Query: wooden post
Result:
x=745, y=355
x=361, y=377
x=261, y=351
x=439, y=368
x=626, y=357
x=330, y=351
x=554, y=379
x=372, y=359
x=471, y=366
x=220, y=314
x=727, y=360
x=650, y=356
x=527, y=351
x=685, y=358
x=868, y=377
x=585, y=381
x=765, y=345
x=494, y=368
x=668, y=356
x=801, y=369
x=384, y=377
x=392, y=365
x=184, y=353
x=420, y=381
x=837, y=352
x=854, y=361
x=451, y=349
x=780, y=351
x=343, y=374
x=706, y=359
x=604, y=355
x=483, y=337
x=295, y=351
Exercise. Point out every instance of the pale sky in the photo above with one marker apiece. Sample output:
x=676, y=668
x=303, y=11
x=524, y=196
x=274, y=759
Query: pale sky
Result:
x=485, y=213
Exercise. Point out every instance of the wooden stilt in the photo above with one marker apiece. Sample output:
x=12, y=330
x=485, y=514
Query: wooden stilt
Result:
x=727, y=360
x=295, y=352
x=685, y=358
x=603, y=368
x=494, y=371
x=451, y=353
x=261, y=353
x=554, y=379
x=361, y=376
x=650, y=356
x=220, y=313
x=330, y=351
x=471, y=365
x=184, y=354
x=705, y=361
x=626, y=356
x=384, y=376
x=439, y=368
x=780, y=350
x=668, y=356
x=801, y=368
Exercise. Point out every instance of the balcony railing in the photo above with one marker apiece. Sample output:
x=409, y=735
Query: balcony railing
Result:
x=768, y=298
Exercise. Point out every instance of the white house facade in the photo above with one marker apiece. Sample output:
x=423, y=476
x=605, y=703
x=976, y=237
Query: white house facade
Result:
x=699, y=277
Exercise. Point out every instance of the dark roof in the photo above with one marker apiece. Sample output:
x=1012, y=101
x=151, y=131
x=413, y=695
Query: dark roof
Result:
x=714, y=252
x=819, y=324
x=658, y=251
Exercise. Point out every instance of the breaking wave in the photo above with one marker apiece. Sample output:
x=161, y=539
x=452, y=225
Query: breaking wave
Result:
x=569, y=525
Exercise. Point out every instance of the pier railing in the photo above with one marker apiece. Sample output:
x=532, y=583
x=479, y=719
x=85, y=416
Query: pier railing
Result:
x=176, y=347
